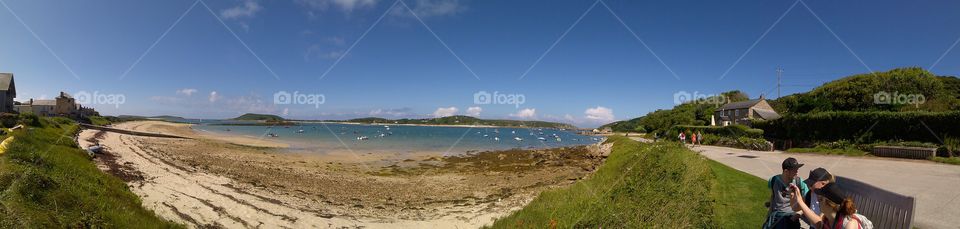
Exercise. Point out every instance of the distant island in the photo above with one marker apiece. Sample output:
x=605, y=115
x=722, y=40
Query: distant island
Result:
x=259, y=117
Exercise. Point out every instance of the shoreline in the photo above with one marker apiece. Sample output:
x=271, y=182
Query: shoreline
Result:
x=405, y=124
x=210, y=181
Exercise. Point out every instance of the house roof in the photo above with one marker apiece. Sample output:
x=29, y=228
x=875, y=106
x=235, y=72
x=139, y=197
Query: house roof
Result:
x=741, y=104
x=6, y=79
x=44, y=102
x=767, y=114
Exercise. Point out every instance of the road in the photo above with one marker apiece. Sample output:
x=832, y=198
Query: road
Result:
x=935, y=186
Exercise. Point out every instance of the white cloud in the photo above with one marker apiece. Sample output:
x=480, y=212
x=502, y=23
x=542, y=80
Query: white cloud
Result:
x=474, y=111
x=247, y=9
x=392, y=112
x=345, y=5
x=444, y=112
x=186, y=91
x=600, y=114
x=430, y=8
x=526, y=113
x=214, y=97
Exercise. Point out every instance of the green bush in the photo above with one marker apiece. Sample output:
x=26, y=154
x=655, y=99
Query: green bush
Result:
x=8, y=120
x=863, y=127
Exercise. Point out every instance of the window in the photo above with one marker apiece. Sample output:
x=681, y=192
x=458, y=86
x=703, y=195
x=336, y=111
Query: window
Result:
x=736, y=112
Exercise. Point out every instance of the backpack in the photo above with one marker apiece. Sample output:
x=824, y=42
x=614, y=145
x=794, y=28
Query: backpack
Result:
x=864, y=222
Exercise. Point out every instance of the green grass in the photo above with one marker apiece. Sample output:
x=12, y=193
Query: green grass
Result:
x=649, y=185
x=98, y=120
x=829, y=151
x=47, y=182
x=947, y=160
x=738, y=197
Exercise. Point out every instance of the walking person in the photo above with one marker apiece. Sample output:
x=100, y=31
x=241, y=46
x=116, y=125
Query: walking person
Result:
x=781, y=213
x=700, y=137
x=683, y=138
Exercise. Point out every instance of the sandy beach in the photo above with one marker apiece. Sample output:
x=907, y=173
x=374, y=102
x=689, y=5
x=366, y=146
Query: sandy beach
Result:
x=245, y=182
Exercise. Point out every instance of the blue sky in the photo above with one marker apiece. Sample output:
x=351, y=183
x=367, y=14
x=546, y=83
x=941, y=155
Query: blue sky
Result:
x=590, y=73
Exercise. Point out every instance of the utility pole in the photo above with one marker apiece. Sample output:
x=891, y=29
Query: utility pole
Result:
x=779, y=76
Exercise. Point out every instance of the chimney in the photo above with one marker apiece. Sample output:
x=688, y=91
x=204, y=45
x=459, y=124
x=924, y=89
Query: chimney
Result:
x=761, y=97
x=31, y=101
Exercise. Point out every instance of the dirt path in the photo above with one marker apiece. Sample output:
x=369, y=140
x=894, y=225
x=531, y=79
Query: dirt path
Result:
x=935, y=186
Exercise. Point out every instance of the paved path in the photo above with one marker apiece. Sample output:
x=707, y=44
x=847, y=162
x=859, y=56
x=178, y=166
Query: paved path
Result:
x=935, y=186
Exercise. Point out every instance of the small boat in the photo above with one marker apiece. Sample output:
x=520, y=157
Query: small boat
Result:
x=541, y=139
x=300, y=131
x=558, y=139
x=496, y=138
x=518, y=139
x=361, y=138
x=485, y=135
x=513, y=132
x=272, y=135
x=383, y=135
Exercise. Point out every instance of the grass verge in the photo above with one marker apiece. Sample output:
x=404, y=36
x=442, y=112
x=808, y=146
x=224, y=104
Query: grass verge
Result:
x=48, y=182
x=947, y=160
x=649, y=185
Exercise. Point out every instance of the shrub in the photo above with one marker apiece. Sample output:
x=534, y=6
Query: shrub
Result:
x=8, y=120
x=30, y=119
x=952, y=144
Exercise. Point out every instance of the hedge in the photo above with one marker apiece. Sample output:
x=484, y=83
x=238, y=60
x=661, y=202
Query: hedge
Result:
x=731, y=131
x=863, y=127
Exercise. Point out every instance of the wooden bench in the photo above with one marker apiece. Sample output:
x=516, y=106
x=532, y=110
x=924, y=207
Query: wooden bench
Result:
x=884, y=208
x=904, y=152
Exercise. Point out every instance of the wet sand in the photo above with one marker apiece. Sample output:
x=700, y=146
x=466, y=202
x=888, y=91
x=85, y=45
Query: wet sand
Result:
x=239, y=182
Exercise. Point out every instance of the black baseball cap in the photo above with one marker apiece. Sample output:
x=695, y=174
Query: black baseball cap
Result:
x=832, y=192
x=818, y=174
x=791, y=163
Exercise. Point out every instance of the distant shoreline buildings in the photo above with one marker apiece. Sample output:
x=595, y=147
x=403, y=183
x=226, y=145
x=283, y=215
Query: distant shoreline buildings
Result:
x=63, y=105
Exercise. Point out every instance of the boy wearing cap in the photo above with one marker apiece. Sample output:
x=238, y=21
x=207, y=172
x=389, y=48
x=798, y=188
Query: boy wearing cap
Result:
x=781, y=214
x=817, y=180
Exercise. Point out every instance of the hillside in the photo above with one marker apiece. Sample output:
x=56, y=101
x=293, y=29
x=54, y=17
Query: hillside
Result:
x=851, y=93
x=258, y=117
x=48, y=182
x=466, y=120
x=861, y=92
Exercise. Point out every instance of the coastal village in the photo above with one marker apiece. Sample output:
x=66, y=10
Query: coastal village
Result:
x=64, y=105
